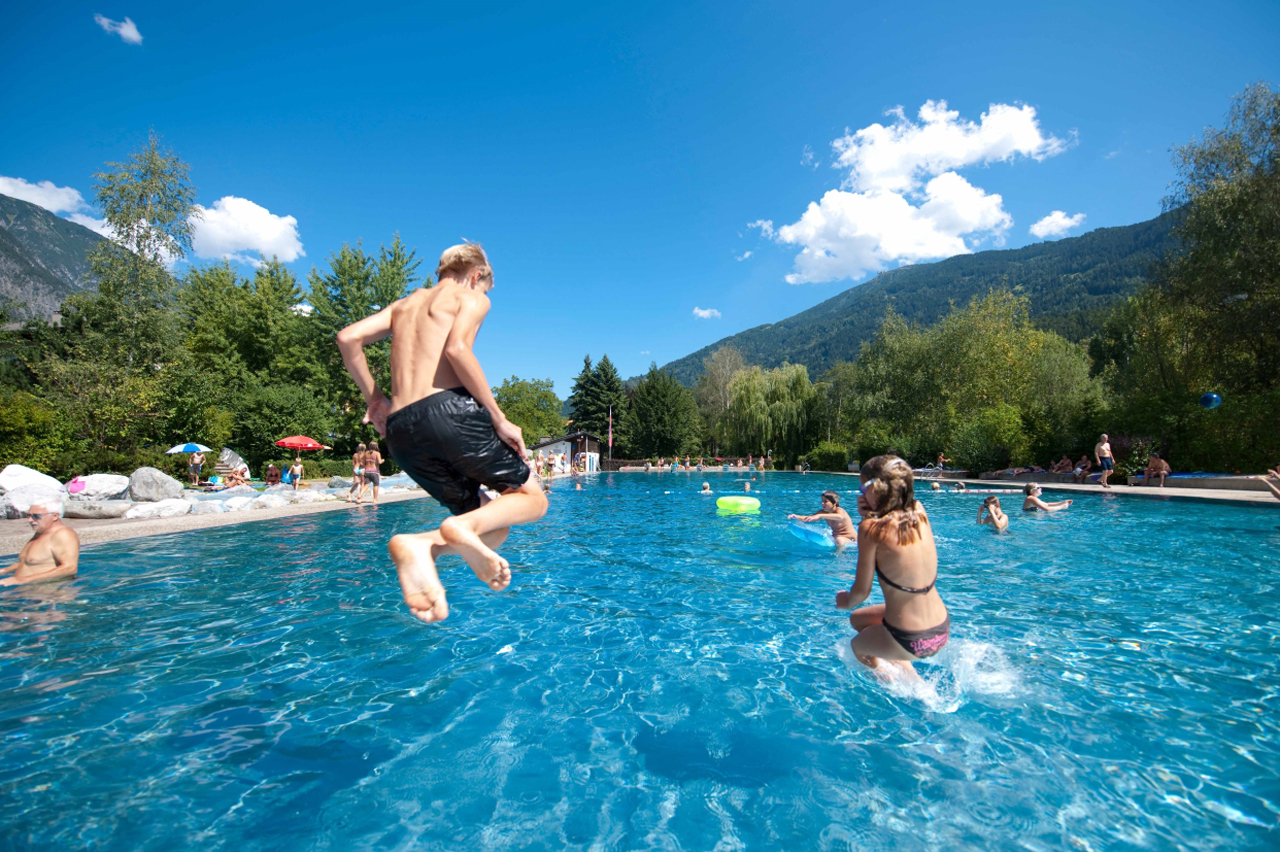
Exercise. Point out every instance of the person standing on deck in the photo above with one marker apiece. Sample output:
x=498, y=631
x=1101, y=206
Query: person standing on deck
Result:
x=444, y=428
x=1106, y=461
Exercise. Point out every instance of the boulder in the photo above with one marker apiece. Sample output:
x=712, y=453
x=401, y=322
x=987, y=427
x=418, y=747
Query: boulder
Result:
x=148, y=485
x=8, y=510
x=99, y=486
x=167, y=508
x=239, y=490
x=16, y=476
x=339, y=482
x=237, y=504
x=278, y=489
x=269, y=501
x=208, y=507
x=96, y=509
x=24, y=497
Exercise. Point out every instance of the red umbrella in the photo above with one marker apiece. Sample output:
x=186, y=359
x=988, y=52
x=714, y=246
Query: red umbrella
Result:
x=301, y=442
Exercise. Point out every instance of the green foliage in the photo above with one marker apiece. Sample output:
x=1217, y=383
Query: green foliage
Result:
x=1208, y=322
x=663, y=418
x=990, y=440
x=829, y=456
x=595, y=392
x=712, y=393
x=269, y=412
x=532, y=405
x=32, y=432
x=148, y=203
x=769, y=411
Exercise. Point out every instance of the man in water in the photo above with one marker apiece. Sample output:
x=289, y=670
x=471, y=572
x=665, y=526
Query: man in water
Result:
x=53, y=552
x=444, y=428
x=1106, y=461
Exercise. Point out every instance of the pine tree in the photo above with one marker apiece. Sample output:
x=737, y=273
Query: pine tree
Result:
x=581, y=395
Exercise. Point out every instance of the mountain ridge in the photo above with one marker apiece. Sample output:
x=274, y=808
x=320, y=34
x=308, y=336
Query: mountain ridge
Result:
x=1071, y=284
x=43, y=259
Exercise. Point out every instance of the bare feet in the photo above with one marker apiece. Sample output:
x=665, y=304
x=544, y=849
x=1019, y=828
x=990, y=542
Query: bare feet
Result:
x=419, y=582
x=492, y=569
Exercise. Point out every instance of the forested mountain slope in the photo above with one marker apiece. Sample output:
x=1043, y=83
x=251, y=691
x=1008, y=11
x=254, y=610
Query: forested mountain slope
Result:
x=1071, y=284
x=43, y=258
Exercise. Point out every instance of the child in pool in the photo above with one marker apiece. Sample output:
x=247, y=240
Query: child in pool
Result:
x=995, y=516
x=895, y=544
x=838, y=519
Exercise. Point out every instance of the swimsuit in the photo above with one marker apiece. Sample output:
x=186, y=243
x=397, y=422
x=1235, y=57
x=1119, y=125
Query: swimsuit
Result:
x=921, y=643
x=1108, y=463
x=446, y=443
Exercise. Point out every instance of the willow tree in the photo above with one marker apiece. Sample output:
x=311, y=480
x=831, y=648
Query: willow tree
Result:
x=712, y=390
x=769, y=410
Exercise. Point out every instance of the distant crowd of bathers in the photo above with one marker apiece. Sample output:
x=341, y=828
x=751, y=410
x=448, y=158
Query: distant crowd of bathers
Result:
x=751, y=462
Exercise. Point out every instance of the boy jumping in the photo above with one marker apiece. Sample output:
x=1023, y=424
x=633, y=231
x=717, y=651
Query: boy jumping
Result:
x=444, y=428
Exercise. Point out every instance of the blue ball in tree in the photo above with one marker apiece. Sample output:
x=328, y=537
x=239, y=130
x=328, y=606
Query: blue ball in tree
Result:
x=1211, y=400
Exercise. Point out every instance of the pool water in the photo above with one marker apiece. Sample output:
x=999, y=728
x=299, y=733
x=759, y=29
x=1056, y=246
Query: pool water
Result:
x=659, y=675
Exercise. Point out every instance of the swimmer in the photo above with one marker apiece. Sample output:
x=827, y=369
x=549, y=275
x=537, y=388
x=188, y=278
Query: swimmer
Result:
x=53, y=553
x=895, y=541
x=746, y=487
x=933, y=486
x=1033, y=501
x=995, y=516
x=842, y=529
x=577, y=486
x=959, y=487
x=444, y=428
x=706, y=488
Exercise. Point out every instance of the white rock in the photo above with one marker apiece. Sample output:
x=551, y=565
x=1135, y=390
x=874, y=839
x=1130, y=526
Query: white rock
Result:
x=269, y=501
x=24, y=497
x=208, y=507
x=237, y=490
x=16, y=476
x=96, y=508
x=170, y=508
x=100, y=486
x=237, y=504
x=148, y=485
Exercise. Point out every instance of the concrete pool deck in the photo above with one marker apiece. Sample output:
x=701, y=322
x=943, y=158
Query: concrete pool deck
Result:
x=1215, y=495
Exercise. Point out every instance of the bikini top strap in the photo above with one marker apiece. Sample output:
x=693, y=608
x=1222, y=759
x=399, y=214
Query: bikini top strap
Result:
x=884, y=579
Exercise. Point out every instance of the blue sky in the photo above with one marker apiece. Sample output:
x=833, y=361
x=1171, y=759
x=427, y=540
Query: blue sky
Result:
x=613, y=159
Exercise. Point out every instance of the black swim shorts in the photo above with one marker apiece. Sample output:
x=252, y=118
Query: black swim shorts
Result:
x=1108, y=463
x=446, y=443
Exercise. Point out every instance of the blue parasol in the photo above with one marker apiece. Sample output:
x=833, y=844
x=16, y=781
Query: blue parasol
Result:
x=188, y=448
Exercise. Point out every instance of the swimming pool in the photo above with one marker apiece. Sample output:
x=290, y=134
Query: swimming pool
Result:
x=658, y=676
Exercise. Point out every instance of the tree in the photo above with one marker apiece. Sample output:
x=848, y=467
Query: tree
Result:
x=769, y=410
x=712, y=390
x=532, y=405
x=596, y=392
x=663, y=417
x=1228, y=277
x=149, y=206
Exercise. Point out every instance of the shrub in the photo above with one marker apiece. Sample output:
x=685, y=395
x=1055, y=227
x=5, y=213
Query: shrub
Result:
x=991, y=440
x=829, y=455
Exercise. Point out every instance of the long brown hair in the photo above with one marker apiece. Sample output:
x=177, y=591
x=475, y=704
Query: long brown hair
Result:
x=890, y=479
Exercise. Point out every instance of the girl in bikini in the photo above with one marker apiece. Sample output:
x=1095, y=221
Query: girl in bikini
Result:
x=895, y=544
x=357, y=471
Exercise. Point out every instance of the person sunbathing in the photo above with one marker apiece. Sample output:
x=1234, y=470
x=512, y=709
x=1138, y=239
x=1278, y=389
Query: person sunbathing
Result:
x=1062, y=465
x=1156, y=466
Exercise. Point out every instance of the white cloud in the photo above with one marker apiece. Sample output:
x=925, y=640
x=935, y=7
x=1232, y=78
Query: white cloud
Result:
x=1056, y=224
x=706, y=313
x=233, y=226
x=644, y=351
x=807, y=157
x=902, y=200
x=55, y=199
x=126, y=29
x=743, y=256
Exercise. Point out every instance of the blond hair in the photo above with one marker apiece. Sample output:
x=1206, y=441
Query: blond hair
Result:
x=890, y=479
x=457, y=261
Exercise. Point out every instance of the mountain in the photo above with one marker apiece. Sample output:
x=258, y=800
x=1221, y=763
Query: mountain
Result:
x=43, y=258
x=1071, y=284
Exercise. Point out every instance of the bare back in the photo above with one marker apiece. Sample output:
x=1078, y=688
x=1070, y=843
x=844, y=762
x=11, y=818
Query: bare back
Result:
x=913, y=566
x=420, y=326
